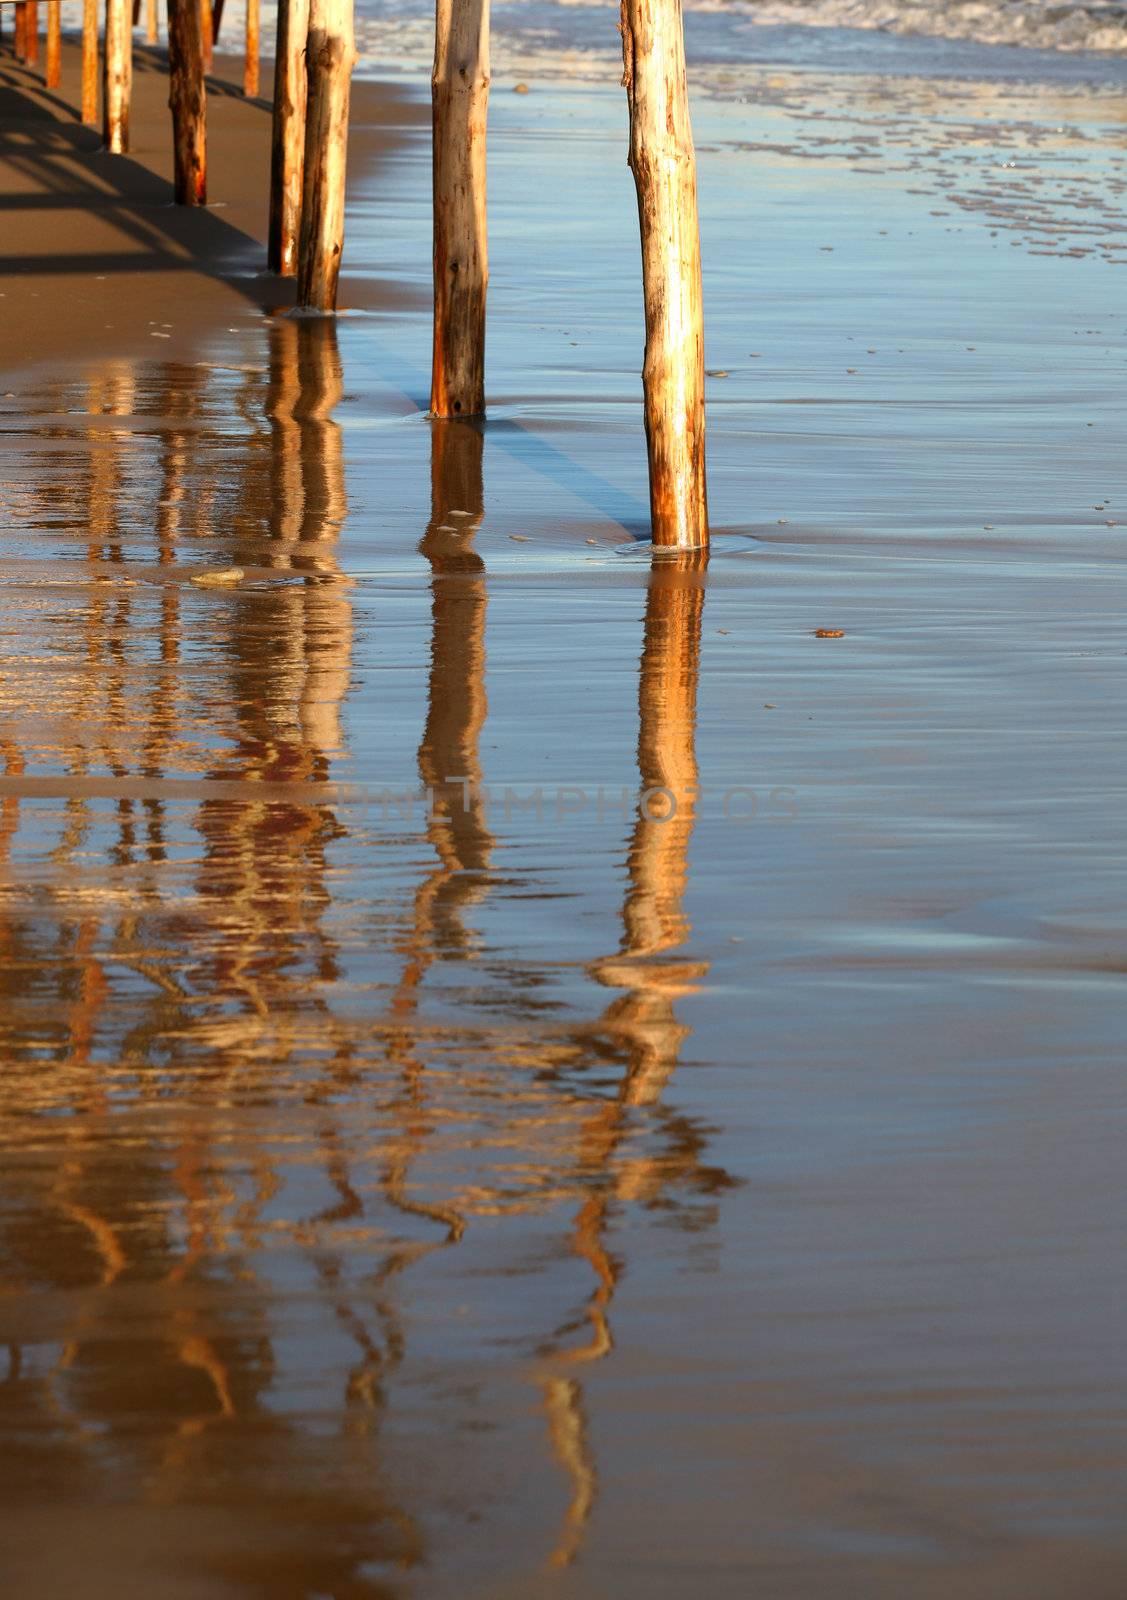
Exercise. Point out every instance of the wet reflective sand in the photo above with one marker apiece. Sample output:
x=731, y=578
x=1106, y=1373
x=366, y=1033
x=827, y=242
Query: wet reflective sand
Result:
x=524, y=1075
x=244, y=1108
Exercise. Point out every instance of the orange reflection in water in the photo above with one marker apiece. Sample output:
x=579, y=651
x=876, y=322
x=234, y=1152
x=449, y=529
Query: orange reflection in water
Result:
x=234, y=1151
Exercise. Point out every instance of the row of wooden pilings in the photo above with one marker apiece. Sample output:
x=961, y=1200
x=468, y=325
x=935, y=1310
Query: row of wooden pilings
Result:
x=314, y=57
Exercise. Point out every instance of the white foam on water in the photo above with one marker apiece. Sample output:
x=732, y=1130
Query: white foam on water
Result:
x=1037, y=24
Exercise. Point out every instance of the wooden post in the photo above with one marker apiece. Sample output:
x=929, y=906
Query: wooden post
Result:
x=31, y=33
x=90, y=63
x=21, y=30
x=664, y=167
x=54, y=71
x=287, y=153
x=152, y=27
x=117, y=78
x=250, y=68
x=187, y=99
x=459, y=107
x=207, y=32
x=329, y=55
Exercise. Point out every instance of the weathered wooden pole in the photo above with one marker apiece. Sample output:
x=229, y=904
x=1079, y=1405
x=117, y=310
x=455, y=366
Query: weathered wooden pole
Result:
x=20, y=42
x=152, y=28
x=250, y=68
x=187, y=99
x=54, y=72
x=90, y=63
x=329, y=55
x=287, y=151
x=207, y=31
x=117, y=76
x=31, y=33
x=664, y=167
x=459, y=107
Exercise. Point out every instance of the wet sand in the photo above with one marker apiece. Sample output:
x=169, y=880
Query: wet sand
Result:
x=95, y=258
x=431, y=1169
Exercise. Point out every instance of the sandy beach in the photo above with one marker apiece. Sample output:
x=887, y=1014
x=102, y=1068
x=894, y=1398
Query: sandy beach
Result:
x=428, y=1167
x=95, y=257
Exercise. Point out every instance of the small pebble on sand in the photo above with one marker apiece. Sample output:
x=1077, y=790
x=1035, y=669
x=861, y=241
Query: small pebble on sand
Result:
x=829, y=633
x=717, y=372
x=520, y=88
x=218, y=578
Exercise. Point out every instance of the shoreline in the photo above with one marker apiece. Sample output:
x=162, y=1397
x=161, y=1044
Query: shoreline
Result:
x=415, y=1188
x=96, y=259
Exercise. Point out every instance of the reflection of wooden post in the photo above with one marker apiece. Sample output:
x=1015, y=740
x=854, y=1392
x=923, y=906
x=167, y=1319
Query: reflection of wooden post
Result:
x=450, y=751
x=187, y=97
x=90, y=63
x=250, y=67
x=329, y=54
x=328, y=610
x=152, y=31
x=460, y=104
x=117, y=77
x=653, y=919
x=664, y=168
x=54, y=43
x=287, y=153
x=287, y=490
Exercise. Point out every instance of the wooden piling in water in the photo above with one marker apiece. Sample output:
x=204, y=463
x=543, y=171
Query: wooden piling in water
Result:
x=31, y=33
x=663, y=162
x=187, y=100
x=90, y=63
x=250, y=67
x=459, y=109
x=152, y=27
x=54, y=70
x=20, y=35
x=287, y=151
x=117, y=76
x=329, y=56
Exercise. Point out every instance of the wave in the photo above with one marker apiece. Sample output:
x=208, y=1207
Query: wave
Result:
x=1036, y=24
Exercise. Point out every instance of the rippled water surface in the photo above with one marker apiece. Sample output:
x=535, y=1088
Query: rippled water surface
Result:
x=524, y=1075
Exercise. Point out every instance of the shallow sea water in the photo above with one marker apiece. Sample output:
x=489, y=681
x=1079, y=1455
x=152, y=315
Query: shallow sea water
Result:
x=431, y=1169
